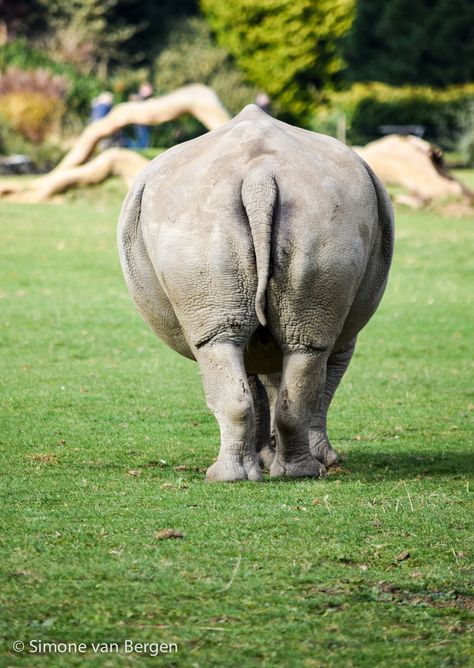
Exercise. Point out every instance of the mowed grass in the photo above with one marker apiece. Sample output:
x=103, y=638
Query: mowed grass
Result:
x=105, y=438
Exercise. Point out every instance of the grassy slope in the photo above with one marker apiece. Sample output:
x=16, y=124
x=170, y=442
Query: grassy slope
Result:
x=97, y=413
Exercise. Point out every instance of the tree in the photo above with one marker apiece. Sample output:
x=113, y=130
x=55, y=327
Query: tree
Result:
x=83, y=33
x=21, y=17
x=289, y=48
x=153, y=22
x=191, y=56
x=401, y=41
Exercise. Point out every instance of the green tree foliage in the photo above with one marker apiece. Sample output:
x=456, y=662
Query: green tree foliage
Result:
x=94, y=34
x=191, y=56
x=83, y=33
x=289, y=48
x=401, y=41
x=153, y=21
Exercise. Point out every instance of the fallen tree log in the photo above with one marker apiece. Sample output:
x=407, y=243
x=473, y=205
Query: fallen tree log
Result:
x=112, y=162
x=414, y=164
x=195, y=99
x=73, y=170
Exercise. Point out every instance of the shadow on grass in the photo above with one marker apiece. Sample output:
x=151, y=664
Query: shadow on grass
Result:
x=366, y=465
x=372, y=465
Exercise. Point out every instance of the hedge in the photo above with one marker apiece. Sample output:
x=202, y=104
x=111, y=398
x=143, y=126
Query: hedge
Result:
x=446, y=113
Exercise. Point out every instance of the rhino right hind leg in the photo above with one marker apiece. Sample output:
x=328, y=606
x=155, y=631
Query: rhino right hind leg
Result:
x=229, y=396
x=319, y=442
x=301, y=388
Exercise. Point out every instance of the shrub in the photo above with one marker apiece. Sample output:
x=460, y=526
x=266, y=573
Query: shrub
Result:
x=366, y=106
x=33, y=115
x=89, y=34
x=81, y=89
x=44, y=156
x=32, y=102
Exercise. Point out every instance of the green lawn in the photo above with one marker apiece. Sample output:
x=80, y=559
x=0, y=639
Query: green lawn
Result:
x=105, y=436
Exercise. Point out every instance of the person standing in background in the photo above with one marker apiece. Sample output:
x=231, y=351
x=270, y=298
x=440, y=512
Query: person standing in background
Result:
x=100, y=107
x=263, y=101
x=143, y=132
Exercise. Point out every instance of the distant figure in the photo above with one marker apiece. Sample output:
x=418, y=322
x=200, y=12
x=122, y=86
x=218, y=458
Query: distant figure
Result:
x=263, y=101
x=143, y=132
x=145, y=91
x=101, y=105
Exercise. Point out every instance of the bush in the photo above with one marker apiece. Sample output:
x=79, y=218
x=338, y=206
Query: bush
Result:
x=32, y=102
x=443, y=112
x=34, y=115
x=45, y=156
x=81, y=90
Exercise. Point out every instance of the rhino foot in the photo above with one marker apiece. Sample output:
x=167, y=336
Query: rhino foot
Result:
x=266, y=456
x=307, y=467
x=322, y=450
x=230, y=470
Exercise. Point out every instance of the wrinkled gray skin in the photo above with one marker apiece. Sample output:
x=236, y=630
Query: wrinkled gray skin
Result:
x=260, y=250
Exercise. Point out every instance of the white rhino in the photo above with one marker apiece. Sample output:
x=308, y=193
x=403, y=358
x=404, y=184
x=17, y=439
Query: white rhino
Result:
x=260, y=250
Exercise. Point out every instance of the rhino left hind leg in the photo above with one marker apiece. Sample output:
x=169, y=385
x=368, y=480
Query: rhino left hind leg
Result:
x=229, y=396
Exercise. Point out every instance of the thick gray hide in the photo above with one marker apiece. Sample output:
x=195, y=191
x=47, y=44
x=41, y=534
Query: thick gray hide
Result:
x=260, y=250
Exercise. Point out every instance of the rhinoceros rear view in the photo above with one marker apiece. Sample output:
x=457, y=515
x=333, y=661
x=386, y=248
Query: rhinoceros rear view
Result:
x=260, y=250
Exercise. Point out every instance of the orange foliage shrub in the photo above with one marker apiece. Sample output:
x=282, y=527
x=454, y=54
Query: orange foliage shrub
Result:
x=32, y=103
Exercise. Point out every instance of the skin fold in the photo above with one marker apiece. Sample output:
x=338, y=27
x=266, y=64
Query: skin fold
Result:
x=260, y=250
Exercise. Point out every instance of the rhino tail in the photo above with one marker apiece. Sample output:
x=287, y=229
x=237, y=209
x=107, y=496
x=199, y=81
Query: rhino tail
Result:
x=259, y=197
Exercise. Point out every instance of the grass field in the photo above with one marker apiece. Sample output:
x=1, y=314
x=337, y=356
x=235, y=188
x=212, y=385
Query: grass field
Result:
x=105, y=436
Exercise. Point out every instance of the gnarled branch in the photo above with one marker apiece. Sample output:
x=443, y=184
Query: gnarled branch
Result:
x=195, y=99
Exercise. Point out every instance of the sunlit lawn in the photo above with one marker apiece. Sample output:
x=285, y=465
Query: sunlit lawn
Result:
x=105, y=436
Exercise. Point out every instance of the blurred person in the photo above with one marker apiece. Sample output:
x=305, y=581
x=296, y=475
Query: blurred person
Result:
x=143, y=132
x=100, y=108
x=101, y=105
x=263, y=101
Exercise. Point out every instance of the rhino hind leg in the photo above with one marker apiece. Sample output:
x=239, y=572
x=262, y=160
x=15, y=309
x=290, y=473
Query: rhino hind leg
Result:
x=301, y=387
x=319, y=442
x=229, y=396
x=263, y=444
